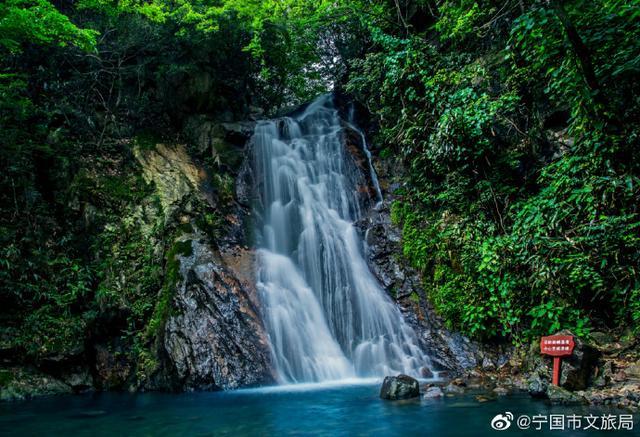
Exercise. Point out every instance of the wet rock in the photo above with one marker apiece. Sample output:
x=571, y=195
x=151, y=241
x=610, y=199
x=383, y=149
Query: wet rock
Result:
x=21, y=384
x=244, y=193
x=399, y=387
x=633, y=371
x=454, y=389
x=560, y=396
x=537, y=386
x=354, y=145
x=426, y=373
x=475, y=383
x=69, y=366
x=80, y=382
x=113, y=368
x=501, y=391
x=433, y=393
x=448, y=350
x=521, y=384
x=604, y=375
x=214, y=338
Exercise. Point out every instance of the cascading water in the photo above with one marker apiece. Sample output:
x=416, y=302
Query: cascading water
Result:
x=326, y=315
x=372, y=171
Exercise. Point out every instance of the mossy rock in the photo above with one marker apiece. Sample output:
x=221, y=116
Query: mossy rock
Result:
x=560, y=396
x=181, y=248
x=21, y=385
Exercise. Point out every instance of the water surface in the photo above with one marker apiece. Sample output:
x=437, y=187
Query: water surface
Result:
x=294, y=410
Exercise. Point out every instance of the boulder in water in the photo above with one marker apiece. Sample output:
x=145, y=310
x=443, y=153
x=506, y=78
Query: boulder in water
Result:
x=433, y=393
x=399, y=387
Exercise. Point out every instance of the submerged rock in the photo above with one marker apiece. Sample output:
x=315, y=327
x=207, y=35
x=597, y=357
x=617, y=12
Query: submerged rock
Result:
x=486, y=397
x=399, y=387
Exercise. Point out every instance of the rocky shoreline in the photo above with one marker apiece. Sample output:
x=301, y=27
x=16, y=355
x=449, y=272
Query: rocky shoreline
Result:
x=598, y=374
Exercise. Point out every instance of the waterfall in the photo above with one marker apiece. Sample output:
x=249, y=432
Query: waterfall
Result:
x=325, y=313
x=365, y=148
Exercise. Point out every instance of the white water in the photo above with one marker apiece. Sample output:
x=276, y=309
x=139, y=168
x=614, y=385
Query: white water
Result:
x=327, y=317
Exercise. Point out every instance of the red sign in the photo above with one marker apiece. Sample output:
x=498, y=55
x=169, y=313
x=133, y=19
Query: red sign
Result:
x=557, y=346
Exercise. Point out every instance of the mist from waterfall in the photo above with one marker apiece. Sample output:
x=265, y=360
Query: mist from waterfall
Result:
x=325, y=313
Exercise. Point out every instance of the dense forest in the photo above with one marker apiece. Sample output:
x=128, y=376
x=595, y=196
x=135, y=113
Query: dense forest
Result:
x=516, y=123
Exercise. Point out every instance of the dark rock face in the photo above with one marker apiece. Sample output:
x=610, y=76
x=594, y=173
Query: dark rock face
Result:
x=577, y=368
x=69, y=368
x=354, y=146
x=383, y=251
x=113, y=370
x=210, y=137
x=399, y=387
x=214, y=338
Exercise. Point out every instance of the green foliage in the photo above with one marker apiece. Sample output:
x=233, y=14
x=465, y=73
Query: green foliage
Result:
x=81, y=83
x=39, y=22
x=522, y=220
x=460, y=18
